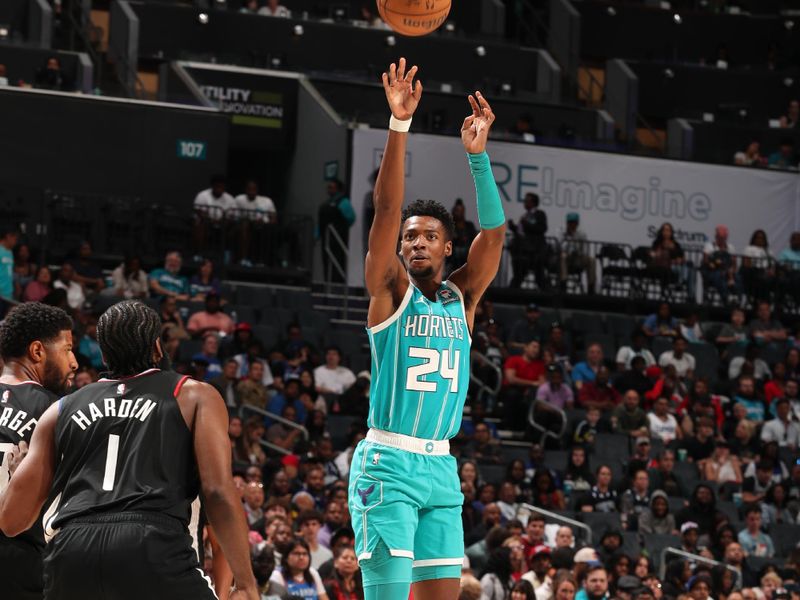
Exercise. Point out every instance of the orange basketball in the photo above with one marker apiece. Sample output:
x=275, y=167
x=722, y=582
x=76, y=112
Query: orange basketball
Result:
x=414, y=17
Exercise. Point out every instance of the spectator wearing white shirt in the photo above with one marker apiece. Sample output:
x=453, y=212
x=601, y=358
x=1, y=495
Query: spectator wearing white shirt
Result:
x=210, y=208
x=257, y=218
x=683, y=362
x=663, y=425
x=129, y=280
x=782, y=429
x=761, y=370
x=75, y=294
x=331, y=377
x=637, y=348
x=275, y=9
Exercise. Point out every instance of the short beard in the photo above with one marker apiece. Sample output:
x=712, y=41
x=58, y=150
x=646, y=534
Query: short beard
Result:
x=426, y=273
x=54, y=381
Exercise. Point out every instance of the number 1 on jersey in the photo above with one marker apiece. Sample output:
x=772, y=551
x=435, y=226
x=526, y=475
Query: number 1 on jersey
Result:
x=5, y=472
x=111, y=462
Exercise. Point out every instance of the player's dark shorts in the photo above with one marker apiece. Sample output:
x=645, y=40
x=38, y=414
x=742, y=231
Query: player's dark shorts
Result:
x=20, y=570
x=124, y=556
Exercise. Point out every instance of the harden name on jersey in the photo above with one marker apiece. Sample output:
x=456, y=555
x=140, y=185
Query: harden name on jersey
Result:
x=119, y=408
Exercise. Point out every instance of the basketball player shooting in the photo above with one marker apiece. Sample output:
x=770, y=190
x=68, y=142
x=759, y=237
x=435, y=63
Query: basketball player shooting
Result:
x=405, y=497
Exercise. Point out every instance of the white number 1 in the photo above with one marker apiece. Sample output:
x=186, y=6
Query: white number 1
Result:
x=436, y=361
x=111, y=462
x=5, y=472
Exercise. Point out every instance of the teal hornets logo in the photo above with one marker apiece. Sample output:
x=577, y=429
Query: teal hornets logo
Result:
x=365, y=494
x=447, y=295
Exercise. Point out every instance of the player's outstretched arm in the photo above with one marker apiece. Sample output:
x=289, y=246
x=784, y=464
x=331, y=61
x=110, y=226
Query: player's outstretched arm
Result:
x=484, y=254
x=382, y=267
x=22, y=501
x=225, y=513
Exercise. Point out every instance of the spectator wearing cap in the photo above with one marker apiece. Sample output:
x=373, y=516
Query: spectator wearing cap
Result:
x=690, y=534
x=168, y=281
x=627, y=585
x=210, y=320
x=527, y=329
x=595, y=584
x=754, y=541
x=599, y=393
x=204, y=282
x=628, y=417
x=332, y=377
x=586, y=371
x=575, y=253
x=636, y=348
x=538, y=575
x=554, y=392
x=678, y=357
x=782, y=429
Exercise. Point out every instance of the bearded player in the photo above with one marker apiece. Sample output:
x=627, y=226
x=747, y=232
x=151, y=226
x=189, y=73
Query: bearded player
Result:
x=405, y=497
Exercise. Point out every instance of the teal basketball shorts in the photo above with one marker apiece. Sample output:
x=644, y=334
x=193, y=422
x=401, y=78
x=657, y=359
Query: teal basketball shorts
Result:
x=406, y=500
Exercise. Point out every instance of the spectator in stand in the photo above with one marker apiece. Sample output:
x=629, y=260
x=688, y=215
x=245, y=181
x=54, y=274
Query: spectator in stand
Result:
x=336, y=212
x=553, y=391
x=282, y=434
x=661, y=323
x=558, y=345
x=628, y=418
x=211, y=206
x=289, y=396
x=754, y=488
x=784, y=157
x=662, y=424
x=666, y=257
x=464, y=233
x=76, y=297
x=757, y=270
x=210, y=320
x=308, y=525
x=635, y=501
x=296, y=573
x=792, y=361
x=775, y=387
x=719, y=264
x=496, y=581
x=700, y=446
x=634, y=378
x=602, y=497
x=168, y=281
x=251, y=390
x=50, y=76
x=257, y=223
x=690, y=328
x=683, y=362
x=507, y=501
x=751, y=156
x=595, y=584
x=522, y=590
x=332, y=378
x=775, y=511
x=226, y=384
x=345, y=581
x=87, y=270
x=203, y=282
x=208, y=353
x=88, y=346
x=792, y=394
x=587, y=430
x=528, y=250
x=522, y=373
x=657, y=518
x=538, y=576
x=8, y=239
x=481, y=448
x=578, y=476
x=253, y=434
x=747, y=394
x=39, y=287
x=3, y=76
x=750, y=364
x=254, y=503
x=637, y=348
x=599, y=393
x=128, y=280
x=723, y=467
x=254, y=353
x=24, y=268
x=586, y=371
x=662, y=476
x=668, y=385
x=576, y=256
x=275, y=9
x=764, y=329
x=734, y=332
x=792, y=117
x=702, y=510
x=782, y=429
x=527, y=329
x=545, y=493
x=754, y=541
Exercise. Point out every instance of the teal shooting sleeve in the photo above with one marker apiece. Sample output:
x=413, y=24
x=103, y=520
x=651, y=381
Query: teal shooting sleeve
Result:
x=490, y=207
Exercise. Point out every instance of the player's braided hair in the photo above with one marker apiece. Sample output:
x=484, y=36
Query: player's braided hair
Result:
x=431, y=208
x=127, y=333
x=27, y=323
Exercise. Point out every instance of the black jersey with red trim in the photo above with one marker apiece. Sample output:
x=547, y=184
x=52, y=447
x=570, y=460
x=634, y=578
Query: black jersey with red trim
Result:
x=124, y=446
x=21, y=407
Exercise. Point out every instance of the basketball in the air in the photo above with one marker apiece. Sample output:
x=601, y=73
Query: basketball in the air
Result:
x=414, y=17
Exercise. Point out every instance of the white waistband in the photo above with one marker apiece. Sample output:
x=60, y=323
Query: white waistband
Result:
x=408, y=443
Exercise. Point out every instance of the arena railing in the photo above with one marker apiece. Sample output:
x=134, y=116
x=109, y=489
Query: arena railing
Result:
x=544, y=431
x=572, y=523
x=484, y=389
x=279, y=419
x=691, y=557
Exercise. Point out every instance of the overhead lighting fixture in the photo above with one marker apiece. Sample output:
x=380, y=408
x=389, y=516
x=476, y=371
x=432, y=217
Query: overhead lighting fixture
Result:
x=612, y=12
x=275, y=62
x=480, y=51
x=677, y=18
x=202, y=18
x=788, y=24
x=391, y=41
x=5, y=31
x=669, y=73
x=298, y=30
x=449, y=27
x=788, y=82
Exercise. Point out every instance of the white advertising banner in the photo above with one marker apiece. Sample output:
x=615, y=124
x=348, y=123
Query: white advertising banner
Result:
x=623, y=199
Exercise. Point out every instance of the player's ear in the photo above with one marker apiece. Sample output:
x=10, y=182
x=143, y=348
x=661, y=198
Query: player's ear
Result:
x=448, y=248
x=36, y=351
x=159, y=352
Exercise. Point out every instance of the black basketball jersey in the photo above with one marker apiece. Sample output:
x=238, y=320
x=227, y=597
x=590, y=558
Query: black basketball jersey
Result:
x=124, y=446
x=21, y=407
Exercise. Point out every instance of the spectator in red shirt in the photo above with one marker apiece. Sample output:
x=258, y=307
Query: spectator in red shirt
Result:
x=523, y=374
x=700, y=403
x=599, y=393
x=774, y=388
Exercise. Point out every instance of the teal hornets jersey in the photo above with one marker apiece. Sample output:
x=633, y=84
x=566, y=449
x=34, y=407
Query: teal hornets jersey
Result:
x=420, y=366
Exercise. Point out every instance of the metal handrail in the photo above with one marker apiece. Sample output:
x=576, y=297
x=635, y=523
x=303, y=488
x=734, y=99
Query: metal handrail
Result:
x=482, y=387
x=562, y=519
x=278, y=418
x=540, y=428
x=275, y=447
x=692, y=557
x=333, y=262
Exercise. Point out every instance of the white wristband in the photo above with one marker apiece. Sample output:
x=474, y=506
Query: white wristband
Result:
x=398, y=125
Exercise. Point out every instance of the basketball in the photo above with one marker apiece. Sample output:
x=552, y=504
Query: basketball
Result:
x=414, y=17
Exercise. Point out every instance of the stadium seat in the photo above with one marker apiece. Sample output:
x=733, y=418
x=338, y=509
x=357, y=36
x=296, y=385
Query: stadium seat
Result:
x=606, y=341
x=586, y=323
x=297, y=300
x=655, y=543
x=786, y=539
x=621, y=326
x=706, y=360
x=615, y=270
x=280, y=318
x=600, y=523
x=339, y=428
x=244, y=314
x=188, y=348
x=660, y=345
x=495, y=474
x=612, y=445
x=676, y=503
x=257, y=297
x=728, y=509
x=556, y=460
x=267, y=335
